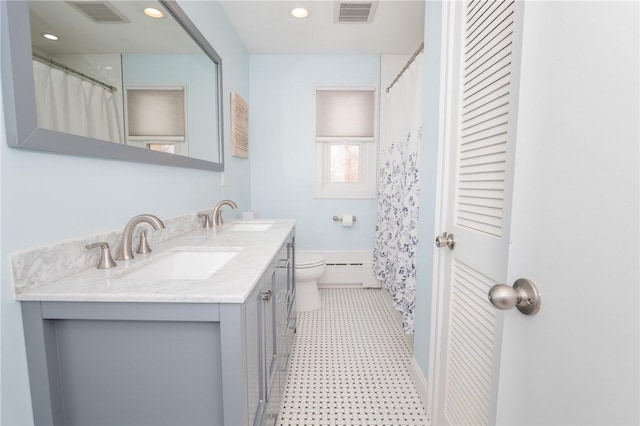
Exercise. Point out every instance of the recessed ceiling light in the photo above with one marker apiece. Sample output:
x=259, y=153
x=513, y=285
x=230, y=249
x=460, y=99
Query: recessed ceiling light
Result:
x=299, y=12
x=50, y=36
x=153, y=13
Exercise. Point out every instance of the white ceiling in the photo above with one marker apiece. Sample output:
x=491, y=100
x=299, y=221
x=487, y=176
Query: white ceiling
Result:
x=266, y=26
x=79, y=34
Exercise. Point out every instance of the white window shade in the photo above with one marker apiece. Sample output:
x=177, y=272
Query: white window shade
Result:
x=345, y=114
x=157, y=114
x=345, y=149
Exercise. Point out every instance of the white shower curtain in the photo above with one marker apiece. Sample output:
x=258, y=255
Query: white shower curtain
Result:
x=394, y=254
x=69, y=104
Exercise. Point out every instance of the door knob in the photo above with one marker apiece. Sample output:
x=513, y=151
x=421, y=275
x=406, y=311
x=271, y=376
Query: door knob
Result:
x=445, y=240
x=524, y=295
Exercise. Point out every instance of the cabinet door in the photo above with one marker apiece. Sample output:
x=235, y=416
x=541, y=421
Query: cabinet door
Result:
x=291, y=280
x=255, y=382
x=271, y=323
x=275, y=333
x=289, y=318
x=283, y=264
x=270, y=346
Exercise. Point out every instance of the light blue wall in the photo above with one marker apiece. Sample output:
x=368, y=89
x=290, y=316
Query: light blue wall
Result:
x=47, y=198
x=194, y=71
x=282, y=145
x=212, y=21
x=428, y=183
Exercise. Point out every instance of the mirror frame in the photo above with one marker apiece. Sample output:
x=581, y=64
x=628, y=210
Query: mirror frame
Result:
x=21, y=119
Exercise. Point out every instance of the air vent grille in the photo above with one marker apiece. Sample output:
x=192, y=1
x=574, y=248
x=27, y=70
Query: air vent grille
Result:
x=100, y=12
x=354, y=12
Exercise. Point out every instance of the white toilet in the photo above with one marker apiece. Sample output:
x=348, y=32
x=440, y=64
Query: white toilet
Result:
x=309, y=267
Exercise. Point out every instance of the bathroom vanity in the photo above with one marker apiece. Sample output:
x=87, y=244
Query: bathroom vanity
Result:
x=138, y=345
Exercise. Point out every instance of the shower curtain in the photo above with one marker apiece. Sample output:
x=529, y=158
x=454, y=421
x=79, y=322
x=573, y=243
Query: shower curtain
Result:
x=394, y=254
x=69, y=104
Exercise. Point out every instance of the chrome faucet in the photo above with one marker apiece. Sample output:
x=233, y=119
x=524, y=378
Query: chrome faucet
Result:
x=125, y=252
x=217, y=211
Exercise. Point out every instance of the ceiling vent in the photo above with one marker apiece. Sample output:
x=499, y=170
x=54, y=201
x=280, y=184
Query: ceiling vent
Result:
x=100, y=12
x=355, y=11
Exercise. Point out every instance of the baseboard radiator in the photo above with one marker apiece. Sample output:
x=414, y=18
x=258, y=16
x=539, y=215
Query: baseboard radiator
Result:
x=349, y=268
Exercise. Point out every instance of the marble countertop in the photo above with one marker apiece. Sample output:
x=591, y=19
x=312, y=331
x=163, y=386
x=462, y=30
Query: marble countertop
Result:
x=230, y=284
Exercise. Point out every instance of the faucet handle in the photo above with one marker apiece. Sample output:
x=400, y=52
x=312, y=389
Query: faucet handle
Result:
x=106, y=261
x=207, y=219
x=143, y=247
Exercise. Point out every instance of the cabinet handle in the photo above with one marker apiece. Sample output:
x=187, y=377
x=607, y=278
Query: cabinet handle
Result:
x=266, y=295
x=282, y=265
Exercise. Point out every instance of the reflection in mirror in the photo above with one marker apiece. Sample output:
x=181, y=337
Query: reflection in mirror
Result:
x=90, y=58
x=79, y=83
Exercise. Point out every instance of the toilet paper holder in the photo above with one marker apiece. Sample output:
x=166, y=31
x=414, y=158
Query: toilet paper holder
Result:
x=339, y=219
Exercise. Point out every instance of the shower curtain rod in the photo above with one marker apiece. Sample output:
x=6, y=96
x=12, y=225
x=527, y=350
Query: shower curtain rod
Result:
x=409, y=62
x=48, y=61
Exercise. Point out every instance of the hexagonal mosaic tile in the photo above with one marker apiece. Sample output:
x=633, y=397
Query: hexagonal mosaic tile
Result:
x=349, y=366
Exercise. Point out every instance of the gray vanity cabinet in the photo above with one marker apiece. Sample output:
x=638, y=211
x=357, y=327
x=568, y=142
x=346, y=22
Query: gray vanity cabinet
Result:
x=261, y=347
x=286, y=315
x=134, y=363
x=290, y=325
x=126, y=363
x=273, y=314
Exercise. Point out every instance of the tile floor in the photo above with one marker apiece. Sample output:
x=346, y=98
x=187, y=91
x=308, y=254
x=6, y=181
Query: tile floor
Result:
x=349, y=366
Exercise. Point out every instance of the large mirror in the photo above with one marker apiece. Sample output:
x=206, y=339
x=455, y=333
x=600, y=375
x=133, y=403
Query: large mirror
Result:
x=116, y=83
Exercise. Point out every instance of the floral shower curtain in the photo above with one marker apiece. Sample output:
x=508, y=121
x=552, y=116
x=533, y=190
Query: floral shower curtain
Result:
x=69, y=104
x=394, y=253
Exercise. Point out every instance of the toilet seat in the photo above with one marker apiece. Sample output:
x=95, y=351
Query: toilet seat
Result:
x=306, y=261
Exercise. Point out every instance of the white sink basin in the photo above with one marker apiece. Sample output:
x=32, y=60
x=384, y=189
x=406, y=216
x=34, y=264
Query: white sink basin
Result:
x=250, y=226
x=184, y=263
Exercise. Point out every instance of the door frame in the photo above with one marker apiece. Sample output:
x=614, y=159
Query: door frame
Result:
x=438, y=302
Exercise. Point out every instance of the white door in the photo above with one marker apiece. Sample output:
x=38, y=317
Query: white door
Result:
x=575, y=182
x=574, y=228
x=482, y=68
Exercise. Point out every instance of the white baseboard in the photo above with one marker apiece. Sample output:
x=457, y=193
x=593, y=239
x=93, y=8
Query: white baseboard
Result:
x=327, y=285
x=346, y=267
x=420, y=383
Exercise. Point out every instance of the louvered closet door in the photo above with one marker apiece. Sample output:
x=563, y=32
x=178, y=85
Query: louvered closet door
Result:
x=478, y=208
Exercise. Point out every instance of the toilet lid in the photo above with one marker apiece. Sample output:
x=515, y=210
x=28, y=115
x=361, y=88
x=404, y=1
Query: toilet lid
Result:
x=304, y=261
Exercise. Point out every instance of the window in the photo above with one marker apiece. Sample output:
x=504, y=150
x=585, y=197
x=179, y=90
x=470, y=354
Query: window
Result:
x=162, y=147
x=155, y=118
x=344, y=163
x=345, y=143
x=156, y=113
